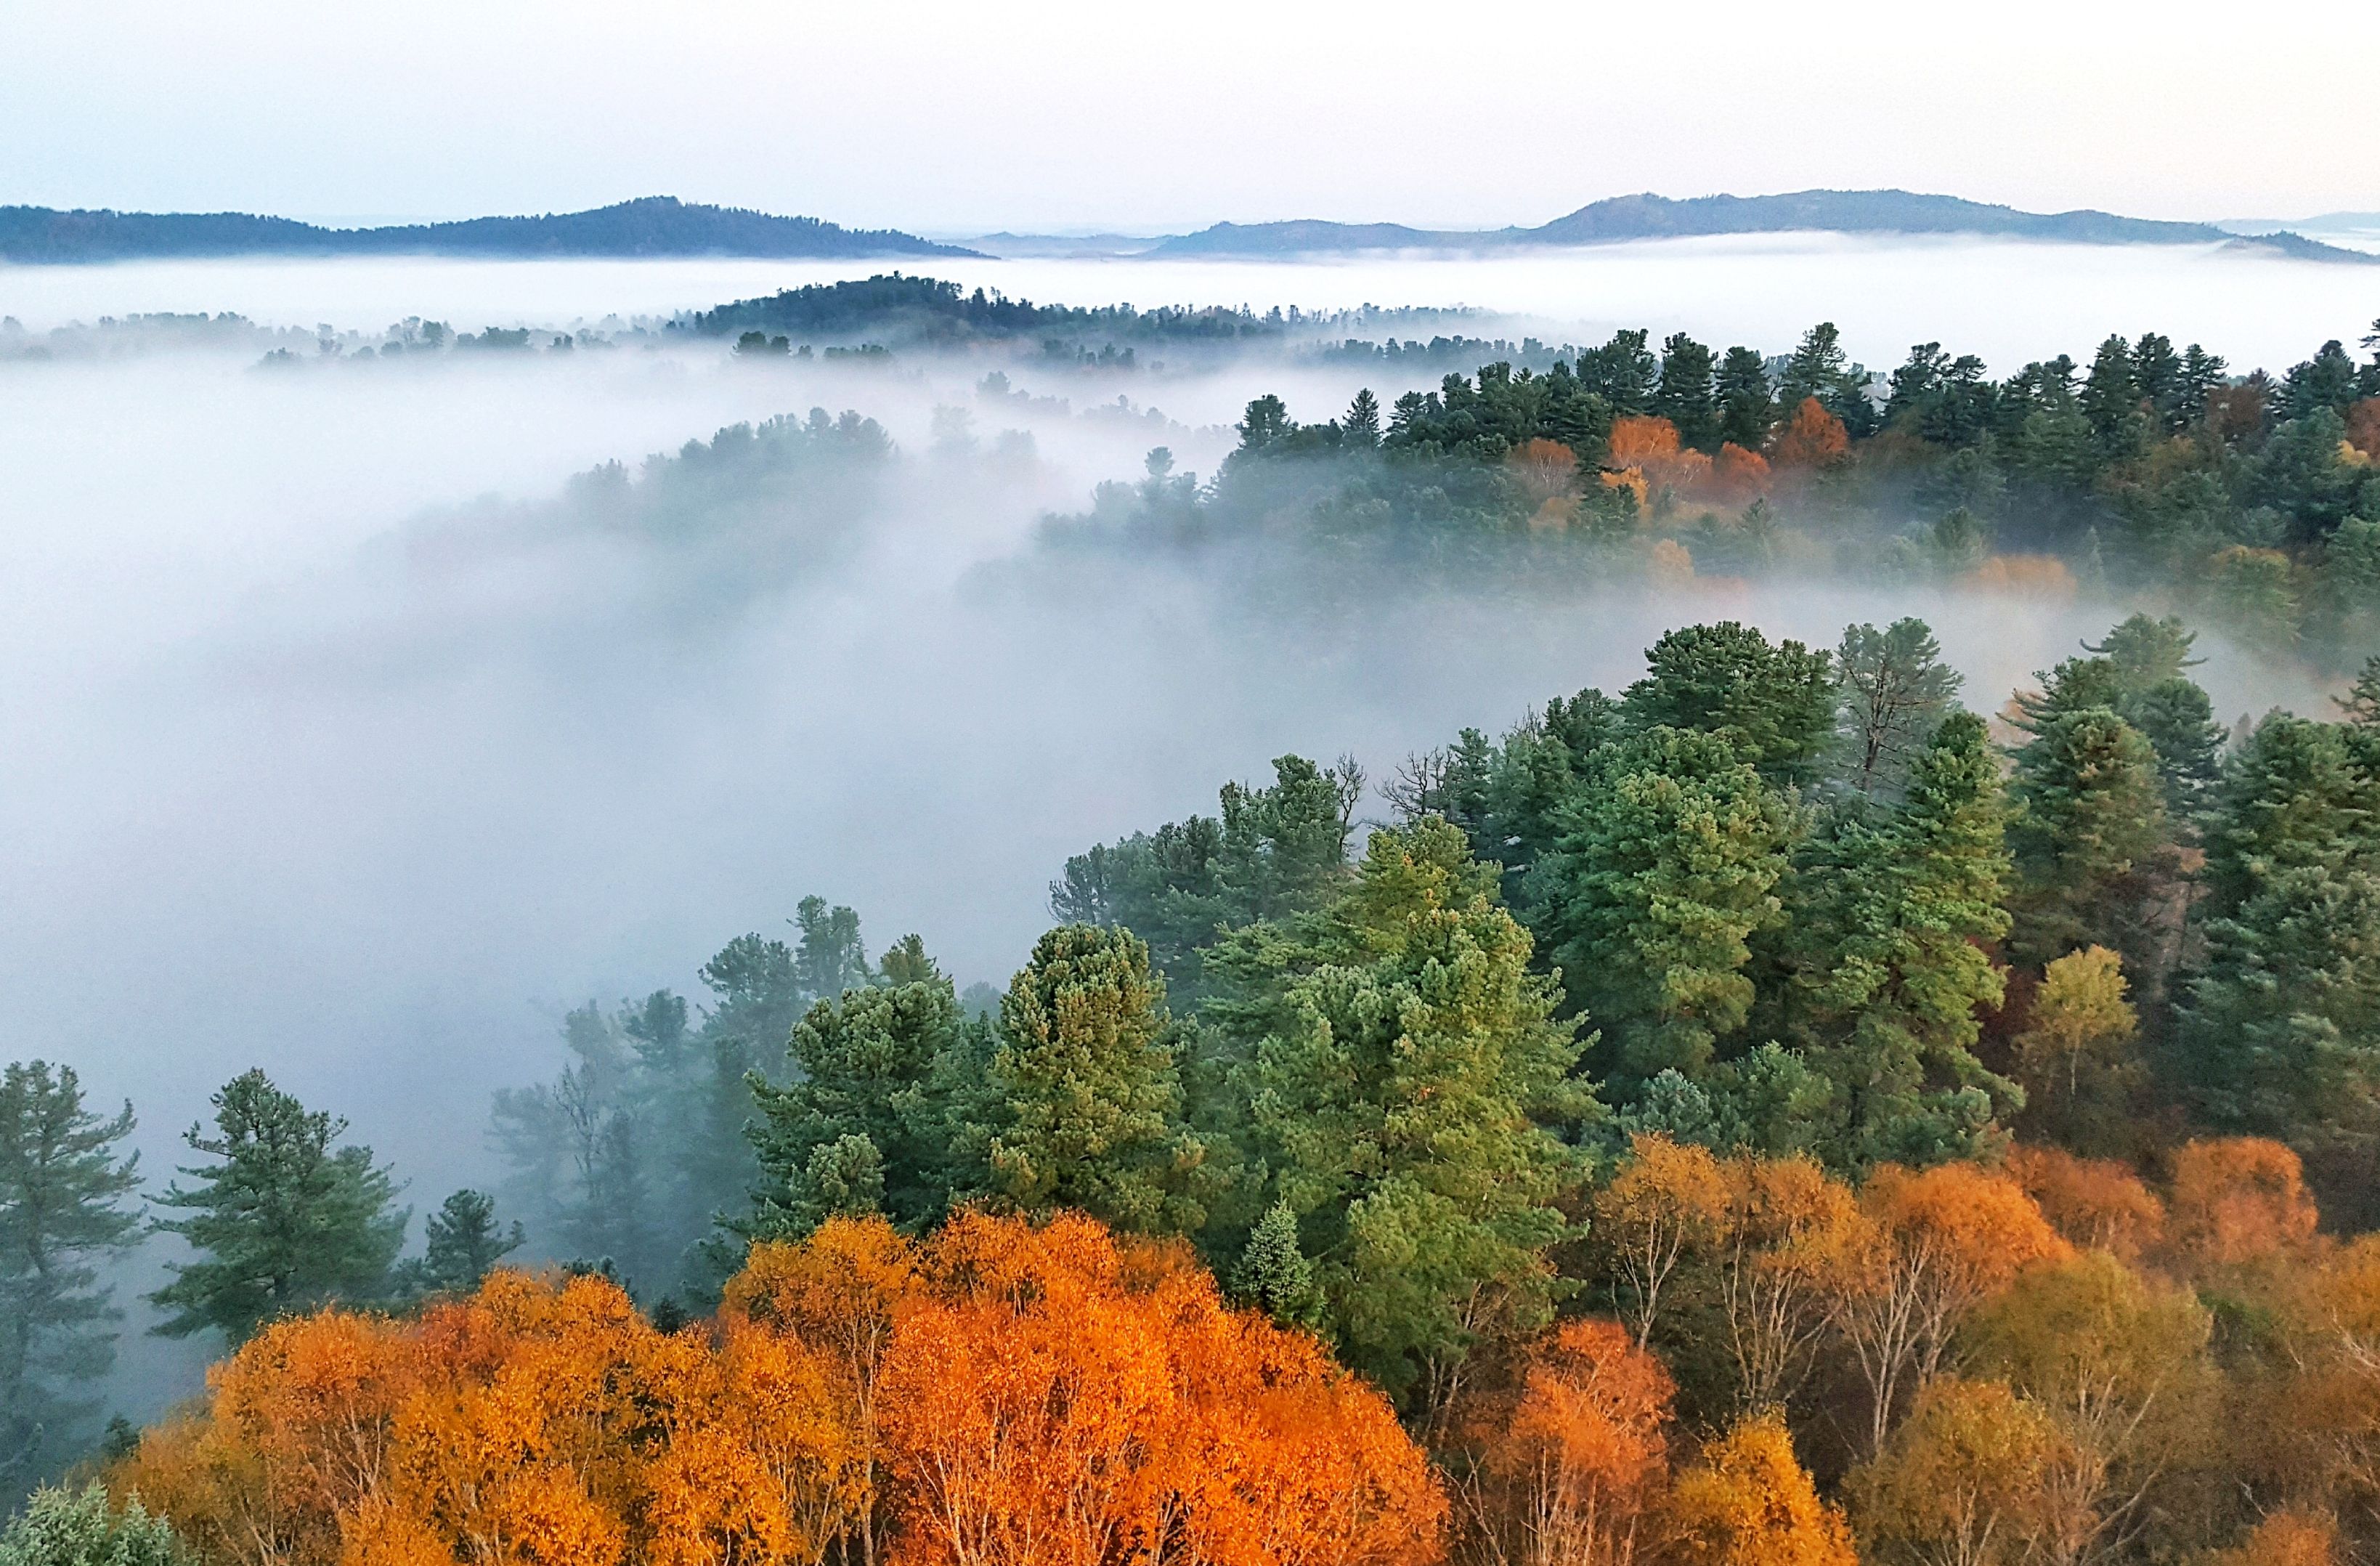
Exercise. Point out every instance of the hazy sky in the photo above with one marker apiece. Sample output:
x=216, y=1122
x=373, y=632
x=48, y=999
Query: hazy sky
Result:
x=1064, y=113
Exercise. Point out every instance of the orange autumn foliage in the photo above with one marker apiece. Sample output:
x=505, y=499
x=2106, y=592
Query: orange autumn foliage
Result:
x=1811, y=438
x=1547, y=469
x=1934, y=1244
x=1056, y=1398
x=2239, y=1199
x=1645, y=454
x=1575, y=1458
x=1738, y=477
x=2043, y=577
x=2363, y=427
x=1010, y=1394
x=2097, y=1204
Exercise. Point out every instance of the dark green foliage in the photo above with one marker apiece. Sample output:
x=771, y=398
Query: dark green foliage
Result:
x=1892, y=915
x=1669, y=862
x=2091, y=813
x=1409, y=1096
x=1747, y=405
x=463, y=1242
x=1687, y=397
x=63, y=1189
x=1507, y=408
x=284, y=1223
x=1774, y=704
x=1819, y=368
x=1623, y=373
x=1091, y=1097
x=2279, y=1029
x=1275, y=851
x=881, y=1114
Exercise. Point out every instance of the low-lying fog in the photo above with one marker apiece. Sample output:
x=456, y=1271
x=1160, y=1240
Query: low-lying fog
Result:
x=2008, y=300
x=277, y=787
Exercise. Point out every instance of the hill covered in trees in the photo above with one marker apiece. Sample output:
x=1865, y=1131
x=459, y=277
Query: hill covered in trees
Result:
x=650, y=227
x=1757, y=1114
x=1649, y=216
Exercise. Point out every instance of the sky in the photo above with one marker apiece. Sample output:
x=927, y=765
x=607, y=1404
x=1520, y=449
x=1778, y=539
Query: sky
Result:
x=1064, y=115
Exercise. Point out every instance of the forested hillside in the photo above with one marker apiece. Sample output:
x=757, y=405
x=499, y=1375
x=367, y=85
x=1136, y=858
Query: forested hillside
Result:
x=1790, y=1106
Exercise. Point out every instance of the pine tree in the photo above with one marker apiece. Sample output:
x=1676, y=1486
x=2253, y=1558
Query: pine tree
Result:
x=2093, y=812
x=1775, y=704
x=1895, y=691
x=463, y=1244
x=1671, y=862
x=1407, y=1090
x=1896, y=975
x=1686, y=397
x=1092, y=1093
x=62, y=1217
x=874, y=1119
x=283, y=1223
x=1746, y=406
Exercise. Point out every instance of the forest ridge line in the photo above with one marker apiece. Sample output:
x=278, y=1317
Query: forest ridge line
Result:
x=663, y=226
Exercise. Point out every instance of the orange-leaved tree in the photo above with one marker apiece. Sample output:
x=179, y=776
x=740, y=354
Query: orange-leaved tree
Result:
x=1054, y=1397
x=1934, y=1245
x=1569, y=1463
x=2238, y=1200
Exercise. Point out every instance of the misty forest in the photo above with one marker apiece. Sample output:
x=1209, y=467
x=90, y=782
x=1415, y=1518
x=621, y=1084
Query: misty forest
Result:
x=1890, y=1070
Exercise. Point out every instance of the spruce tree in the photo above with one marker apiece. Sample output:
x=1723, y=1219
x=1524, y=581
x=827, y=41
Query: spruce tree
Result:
x=1274, y=1274
x=284, y=1223
x=63, y=1188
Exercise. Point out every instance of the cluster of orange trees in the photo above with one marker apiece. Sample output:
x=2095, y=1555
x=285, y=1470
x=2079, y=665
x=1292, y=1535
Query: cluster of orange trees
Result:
x=2046, y=1362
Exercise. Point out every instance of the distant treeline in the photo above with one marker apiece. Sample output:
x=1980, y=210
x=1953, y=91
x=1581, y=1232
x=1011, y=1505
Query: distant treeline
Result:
x=650, y=227
x=2252, y=499
x=896, y=308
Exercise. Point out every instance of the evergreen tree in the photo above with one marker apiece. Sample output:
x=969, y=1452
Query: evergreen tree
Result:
x=1362, y=423
x=64, y=1527
x=1896, y=928
x=2093, y=812
x=286, y=1223
x=875, y=1118
x=1091, y=1093
x=1895, y=691
x=1746, y=406
x=2279, y=1029
x=1671, y=861
x=463, y=1244
x=1408, y=1093
x=63, y=1188
x=1687, y=397
x=1773, y=705
x=1274, y=1274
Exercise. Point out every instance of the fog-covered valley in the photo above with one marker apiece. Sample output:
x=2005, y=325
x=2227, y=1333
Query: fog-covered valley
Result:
x=349, y=735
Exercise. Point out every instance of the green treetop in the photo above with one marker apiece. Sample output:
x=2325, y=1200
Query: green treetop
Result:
x=284, y=1223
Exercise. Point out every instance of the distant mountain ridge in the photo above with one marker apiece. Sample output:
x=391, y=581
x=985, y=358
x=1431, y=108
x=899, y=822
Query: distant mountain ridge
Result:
x=651, y=226
x=1648, y=216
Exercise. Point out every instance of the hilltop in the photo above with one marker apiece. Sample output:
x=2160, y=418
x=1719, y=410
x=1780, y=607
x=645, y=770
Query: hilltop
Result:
x=651, y=226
